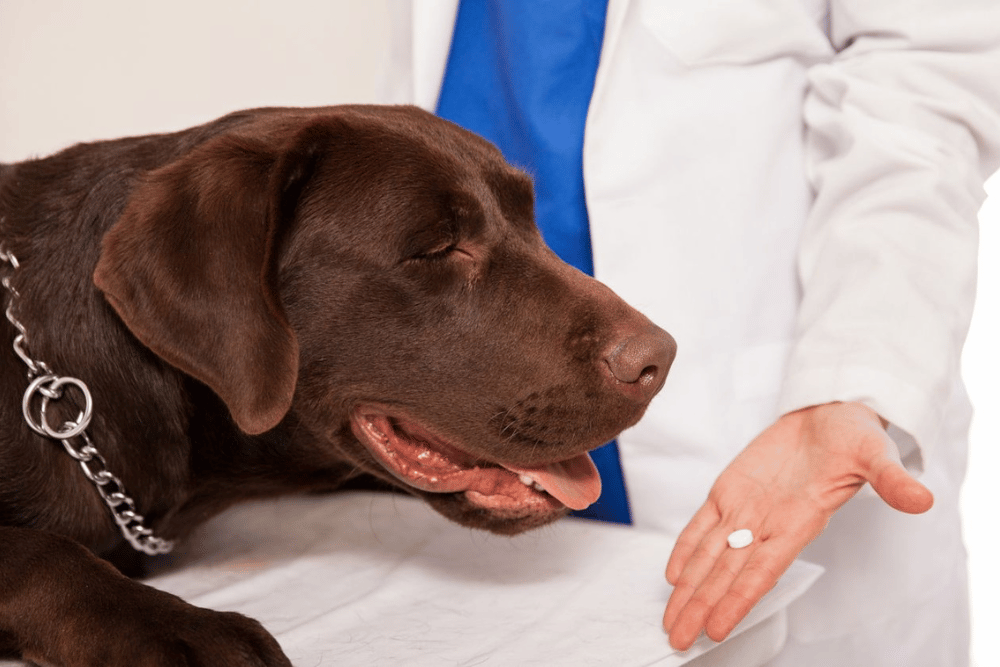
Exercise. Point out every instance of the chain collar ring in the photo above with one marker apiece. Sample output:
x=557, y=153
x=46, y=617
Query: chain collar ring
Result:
x=45, y=387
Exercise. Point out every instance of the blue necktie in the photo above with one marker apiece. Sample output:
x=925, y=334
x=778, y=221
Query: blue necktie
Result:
x=520, y=73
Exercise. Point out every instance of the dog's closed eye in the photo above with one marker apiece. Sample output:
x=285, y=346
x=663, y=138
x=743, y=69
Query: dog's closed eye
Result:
x=435, y=244
x=437, y=253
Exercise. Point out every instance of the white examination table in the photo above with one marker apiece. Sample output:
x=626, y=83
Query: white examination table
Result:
x=376, y=579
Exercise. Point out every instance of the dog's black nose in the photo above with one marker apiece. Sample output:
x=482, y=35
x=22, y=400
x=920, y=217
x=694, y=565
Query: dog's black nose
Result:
x=640, y=363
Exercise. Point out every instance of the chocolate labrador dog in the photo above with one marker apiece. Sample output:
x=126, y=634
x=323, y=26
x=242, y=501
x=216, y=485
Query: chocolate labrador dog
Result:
x=280, y=301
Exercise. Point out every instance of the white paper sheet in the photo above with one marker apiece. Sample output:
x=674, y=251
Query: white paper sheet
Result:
x=373, y=579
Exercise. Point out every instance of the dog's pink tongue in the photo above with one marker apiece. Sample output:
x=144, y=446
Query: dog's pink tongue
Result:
x=574, y=482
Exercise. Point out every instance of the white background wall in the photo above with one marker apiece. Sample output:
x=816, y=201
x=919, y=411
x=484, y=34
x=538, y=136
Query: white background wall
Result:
x=74, y=71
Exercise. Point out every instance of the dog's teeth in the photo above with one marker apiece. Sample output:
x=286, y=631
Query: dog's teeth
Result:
x=530, y=483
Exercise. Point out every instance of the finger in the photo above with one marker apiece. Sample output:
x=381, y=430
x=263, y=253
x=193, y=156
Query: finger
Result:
x=710, y=561
x=758, y=576
x=704, y=520
x=781, y=544
x=696, y=569
x=894, y=484
x=900, y=490
x=692, y=618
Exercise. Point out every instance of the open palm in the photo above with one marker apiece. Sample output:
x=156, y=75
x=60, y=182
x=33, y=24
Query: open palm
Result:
x=784, y=487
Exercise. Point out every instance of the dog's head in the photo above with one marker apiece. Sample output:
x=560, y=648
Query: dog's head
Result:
x=377, y=272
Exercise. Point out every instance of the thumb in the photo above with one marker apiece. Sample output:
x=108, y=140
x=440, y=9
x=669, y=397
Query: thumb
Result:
x=895, y=485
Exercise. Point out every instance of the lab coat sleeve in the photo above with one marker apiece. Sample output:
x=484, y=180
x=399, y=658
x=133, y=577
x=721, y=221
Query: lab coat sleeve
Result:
x=902, y=129
x=397, y=84
x=420, y=33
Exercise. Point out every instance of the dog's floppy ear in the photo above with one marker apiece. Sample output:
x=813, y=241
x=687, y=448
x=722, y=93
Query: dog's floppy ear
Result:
x=190, y=267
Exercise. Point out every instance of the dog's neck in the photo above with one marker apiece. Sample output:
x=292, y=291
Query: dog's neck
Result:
x=46, y=386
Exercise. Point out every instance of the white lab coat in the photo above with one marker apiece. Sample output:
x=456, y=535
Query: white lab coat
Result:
x=790, y=187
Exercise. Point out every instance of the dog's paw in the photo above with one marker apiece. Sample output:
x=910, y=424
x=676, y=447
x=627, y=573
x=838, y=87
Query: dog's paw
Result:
x=62, y=606
x=168, y=633
x=205, y=638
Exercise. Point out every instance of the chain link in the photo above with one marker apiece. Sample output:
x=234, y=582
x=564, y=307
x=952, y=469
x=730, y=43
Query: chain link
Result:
x=45, y=387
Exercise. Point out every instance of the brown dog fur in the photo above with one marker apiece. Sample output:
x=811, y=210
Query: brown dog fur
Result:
x=240, y=297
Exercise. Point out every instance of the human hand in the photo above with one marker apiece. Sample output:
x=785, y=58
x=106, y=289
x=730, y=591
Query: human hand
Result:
x=784, y=486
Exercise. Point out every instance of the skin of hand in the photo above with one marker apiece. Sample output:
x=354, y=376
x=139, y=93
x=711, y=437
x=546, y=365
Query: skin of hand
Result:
x=784, y=486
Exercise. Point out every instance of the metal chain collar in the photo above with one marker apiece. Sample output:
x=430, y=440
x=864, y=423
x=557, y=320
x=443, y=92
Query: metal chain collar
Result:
x=45, y=387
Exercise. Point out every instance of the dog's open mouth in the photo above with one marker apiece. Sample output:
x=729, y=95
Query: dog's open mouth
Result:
x=426, y=461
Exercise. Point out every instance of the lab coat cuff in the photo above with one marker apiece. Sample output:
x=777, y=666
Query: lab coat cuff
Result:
x=914, y=417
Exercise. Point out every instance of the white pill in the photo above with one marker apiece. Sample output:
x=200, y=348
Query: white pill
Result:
x=740, y=538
